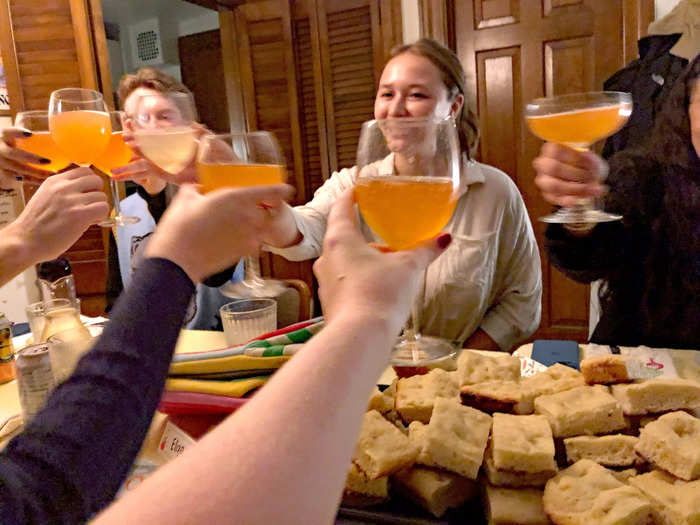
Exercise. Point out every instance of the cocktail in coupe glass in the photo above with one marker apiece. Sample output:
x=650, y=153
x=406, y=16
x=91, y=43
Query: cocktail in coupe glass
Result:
x=579, y=120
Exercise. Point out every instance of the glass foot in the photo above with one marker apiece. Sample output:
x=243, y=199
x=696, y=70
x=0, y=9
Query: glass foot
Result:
x=422, y=351
x=581, y=215
x=121, y=220
x=257, y=288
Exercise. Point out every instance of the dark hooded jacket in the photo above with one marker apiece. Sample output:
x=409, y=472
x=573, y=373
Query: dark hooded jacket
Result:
x=649, y=261
x=649, y=79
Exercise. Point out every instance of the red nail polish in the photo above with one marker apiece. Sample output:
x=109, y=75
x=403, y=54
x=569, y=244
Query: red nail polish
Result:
x=444, y=240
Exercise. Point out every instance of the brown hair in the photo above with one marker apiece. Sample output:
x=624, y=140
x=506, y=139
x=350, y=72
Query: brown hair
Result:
x=151, y=78
x=454, y=79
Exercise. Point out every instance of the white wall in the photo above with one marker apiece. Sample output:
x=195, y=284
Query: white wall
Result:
x=175, y=18
x=410, y=15
x=663, y=7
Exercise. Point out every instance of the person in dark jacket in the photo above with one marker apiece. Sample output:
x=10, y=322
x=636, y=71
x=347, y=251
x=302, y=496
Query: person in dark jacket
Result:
x=649, y=261
x=649, y=79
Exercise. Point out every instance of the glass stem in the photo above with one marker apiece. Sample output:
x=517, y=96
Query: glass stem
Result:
x=115, y=199
x=252, y=271
x=413, y=332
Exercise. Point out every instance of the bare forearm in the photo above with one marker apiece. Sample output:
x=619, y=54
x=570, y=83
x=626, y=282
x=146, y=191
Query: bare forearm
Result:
x=15, y=255
x=283, y=231
x=293, y=441
x=480, y=340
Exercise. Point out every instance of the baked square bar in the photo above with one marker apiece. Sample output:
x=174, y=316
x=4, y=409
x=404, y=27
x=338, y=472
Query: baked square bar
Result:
x=581, y=410
x=586, y=493
x=522, y=443
x=672, y=443
x=382, y=448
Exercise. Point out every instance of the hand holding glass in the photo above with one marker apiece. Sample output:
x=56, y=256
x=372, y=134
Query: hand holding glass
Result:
x=116, y=155
x=40, y=143
x=407, y=189
x=238, y=160
x=578, y=121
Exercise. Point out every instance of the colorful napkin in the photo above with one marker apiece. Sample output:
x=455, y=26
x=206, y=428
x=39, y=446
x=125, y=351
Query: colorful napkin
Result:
x=235, y=371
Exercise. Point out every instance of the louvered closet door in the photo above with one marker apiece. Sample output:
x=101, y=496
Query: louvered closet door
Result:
x=50, y=45
x=352, y=60
x=268, y=58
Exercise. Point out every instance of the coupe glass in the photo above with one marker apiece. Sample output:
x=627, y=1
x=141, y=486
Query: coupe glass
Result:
x=407, y=189
x=578, y=121
x=237, y=160
x=117, y=154
x=79, y=124
x=40, y=143
x=164, y=131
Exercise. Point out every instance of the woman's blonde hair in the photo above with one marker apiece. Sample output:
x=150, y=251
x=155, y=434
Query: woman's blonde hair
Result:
x=454, y=79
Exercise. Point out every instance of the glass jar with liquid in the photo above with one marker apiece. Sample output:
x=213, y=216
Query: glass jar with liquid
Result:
x=63, y=315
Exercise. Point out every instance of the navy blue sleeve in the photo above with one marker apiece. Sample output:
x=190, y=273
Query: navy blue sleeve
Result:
x=72, y=458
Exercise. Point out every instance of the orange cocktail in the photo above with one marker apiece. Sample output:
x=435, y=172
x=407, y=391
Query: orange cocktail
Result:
x=117, y=154
x=82, y=135
x=405, y=210
x=580, y=127
x=41, y=143
x=215, y=176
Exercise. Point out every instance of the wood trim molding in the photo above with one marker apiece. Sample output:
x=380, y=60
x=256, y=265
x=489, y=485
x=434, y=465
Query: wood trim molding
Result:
x=9, y=59
x=434, y=21
x=293, y=98
x=246, y=70
x=638, y=14
x=319, y=41
x=101, y=51
x=84, y=46
x=327, y=91
x=232, y=70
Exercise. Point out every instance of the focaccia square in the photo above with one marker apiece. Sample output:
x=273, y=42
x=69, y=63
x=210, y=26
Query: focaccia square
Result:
x=435, y=490
x=474, y=367
x=504, y=506
x=657, y=395
x=497, y=395
x=616, y=450
x=581, y=410
x=557, y=378
x=456, y=437
x=672, y=443
x=522, y=443
x=382, y=449
x=586, y=493
x=416, y=395
x=674, y=502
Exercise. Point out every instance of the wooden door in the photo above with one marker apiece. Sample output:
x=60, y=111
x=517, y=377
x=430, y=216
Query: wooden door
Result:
x=308, y=72
x=516, y=50
x=46, y=46
x=202, y=67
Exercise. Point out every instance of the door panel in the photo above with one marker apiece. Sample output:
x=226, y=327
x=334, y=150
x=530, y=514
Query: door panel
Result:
x=516, y=50
x=202, y=67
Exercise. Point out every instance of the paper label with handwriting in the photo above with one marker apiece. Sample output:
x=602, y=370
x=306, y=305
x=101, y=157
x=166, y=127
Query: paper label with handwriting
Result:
x=529, y=367
x=173, y=441
x=653, y=362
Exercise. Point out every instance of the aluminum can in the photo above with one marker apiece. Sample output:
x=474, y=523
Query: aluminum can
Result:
x=35, y=379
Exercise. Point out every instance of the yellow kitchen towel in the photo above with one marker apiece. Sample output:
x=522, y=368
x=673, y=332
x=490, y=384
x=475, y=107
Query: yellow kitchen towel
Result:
x=230, y=388
x=227, y=364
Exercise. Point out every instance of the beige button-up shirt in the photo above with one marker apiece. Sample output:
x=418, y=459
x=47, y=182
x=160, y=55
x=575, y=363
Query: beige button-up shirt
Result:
x=489, y=277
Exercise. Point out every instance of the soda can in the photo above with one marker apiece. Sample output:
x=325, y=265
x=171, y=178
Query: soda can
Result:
x=6, y=349
x=35, y=379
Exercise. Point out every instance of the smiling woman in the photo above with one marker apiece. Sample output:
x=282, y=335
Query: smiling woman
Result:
x=485, y=292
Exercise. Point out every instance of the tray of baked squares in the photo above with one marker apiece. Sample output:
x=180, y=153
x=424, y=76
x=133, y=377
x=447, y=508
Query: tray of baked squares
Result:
x=487, y=444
